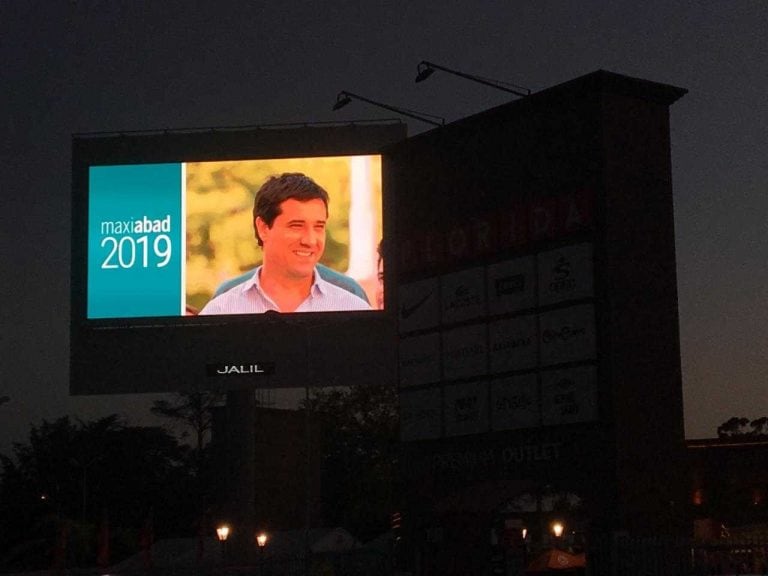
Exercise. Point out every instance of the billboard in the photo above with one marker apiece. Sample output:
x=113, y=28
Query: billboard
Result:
x=220, y=259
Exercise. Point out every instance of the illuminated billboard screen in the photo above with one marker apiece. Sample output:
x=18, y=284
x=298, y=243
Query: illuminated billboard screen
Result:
x=179, y=238
x=203, y=255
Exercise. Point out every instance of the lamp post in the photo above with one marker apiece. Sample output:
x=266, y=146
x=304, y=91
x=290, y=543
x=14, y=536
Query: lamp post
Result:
x=557, y=532
x=524, y=543
x=261, y=540
x=222, y=532
x=84, y=466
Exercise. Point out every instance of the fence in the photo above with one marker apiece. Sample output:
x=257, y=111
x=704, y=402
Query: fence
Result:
x=631, y=556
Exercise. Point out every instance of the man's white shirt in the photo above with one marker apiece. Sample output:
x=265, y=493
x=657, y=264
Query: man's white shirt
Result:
x=250, y=298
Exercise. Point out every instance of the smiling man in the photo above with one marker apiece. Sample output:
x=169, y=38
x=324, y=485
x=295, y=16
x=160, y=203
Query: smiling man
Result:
x=290, y=212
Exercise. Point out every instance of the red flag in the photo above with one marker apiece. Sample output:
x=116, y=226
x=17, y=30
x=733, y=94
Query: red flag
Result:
x=60, y=548
x=102, y=555
x=146, y=538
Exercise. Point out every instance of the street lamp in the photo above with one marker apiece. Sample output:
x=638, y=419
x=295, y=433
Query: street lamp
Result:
x=261, y=540
x=222, y=532
x=557, y=531
x=524, y=545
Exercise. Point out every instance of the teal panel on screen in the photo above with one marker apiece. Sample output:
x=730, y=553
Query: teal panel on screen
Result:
x=135, y=249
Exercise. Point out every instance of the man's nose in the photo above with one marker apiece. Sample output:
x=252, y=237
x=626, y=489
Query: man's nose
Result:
x=309, y=237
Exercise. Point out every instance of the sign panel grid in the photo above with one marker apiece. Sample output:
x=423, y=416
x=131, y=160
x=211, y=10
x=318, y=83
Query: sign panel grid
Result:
x=511, y=345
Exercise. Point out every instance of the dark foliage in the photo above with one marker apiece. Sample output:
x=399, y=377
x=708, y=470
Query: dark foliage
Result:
x=360, y=457
x=73, y=476
x=743, y=428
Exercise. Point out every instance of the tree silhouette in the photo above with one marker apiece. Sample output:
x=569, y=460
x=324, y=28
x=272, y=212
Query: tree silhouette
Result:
x=192, y=410
x=70, y=474
x=742, y=428
x=360, y=456
x=760, y=426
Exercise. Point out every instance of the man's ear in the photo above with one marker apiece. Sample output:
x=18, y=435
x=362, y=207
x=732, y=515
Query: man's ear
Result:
x=261, y=227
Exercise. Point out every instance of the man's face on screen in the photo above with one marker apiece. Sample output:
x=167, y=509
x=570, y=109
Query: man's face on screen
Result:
x=296, y=240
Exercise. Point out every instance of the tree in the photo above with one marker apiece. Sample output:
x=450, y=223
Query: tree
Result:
x=742, y=428
x=72, y=473
x=760, y=426
x=192, y=410
x=734, y=426
x=360, y=456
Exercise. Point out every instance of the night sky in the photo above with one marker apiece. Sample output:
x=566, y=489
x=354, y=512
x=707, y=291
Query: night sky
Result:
x=87, y=66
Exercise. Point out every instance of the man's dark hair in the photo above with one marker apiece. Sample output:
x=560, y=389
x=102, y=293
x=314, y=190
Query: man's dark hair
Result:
x=278, y=189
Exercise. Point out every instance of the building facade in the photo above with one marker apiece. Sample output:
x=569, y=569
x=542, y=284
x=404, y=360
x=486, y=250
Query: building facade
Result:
x=539, y=362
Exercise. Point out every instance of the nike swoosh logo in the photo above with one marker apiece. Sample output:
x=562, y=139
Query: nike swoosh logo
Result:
x=407, y=311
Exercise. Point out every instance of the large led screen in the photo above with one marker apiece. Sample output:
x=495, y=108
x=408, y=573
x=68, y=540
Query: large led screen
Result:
x=180, y=238
x=220, y=260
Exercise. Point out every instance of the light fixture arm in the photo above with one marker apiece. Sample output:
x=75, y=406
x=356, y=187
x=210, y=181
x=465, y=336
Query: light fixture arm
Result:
x=424, y=67
x=345, y=97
